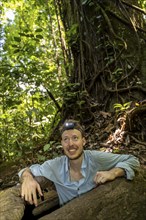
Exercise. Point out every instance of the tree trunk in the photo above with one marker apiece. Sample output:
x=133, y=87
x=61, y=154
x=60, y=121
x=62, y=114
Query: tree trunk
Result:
x=118, y=200
x=107, y=41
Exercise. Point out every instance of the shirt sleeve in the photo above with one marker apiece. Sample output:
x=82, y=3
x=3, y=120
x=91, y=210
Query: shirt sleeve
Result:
x=107, y=161
x=49, y=169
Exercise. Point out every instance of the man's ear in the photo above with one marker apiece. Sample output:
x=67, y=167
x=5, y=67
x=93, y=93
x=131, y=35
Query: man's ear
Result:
x=84, y=141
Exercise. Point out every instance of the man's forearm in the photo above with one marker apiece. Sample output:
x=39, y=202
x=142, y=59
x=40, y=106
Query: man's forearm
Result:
x=117, y=172
x=104, y=176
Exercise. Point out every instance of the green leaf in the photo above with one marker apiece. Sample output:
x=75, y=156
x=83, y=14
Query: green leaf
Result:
x=127, y=104
x=41, y=157
x=18, y=39
x=117, y=105
x=14, y=45
x=39, y=30
x=46, y=147
x=22, y=34
x=39, y=36
x=16, y=51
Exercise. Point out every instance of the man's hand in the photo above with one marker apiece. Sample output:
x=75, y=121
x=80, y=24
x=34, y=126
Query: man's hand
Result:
x=104, y=176
x=30, y=188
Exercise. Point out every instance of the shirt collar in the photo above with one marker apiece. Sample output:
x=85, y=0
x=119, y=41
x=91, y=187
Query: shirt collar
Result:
x=84, y=164
x=66, y=164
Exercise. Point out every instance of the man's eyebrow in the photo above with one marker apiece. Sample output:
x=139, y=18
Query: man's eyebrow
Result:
x=65, y=136
x=74, y=135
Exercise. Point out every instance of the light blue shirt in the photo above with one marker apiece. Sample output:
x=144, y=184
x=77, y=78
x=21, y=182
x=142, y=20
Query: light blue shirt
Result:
x=57, y=170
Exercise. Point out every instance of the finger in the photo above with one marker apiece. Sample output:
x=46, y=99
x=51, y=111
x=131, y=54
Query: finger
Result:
x=96, y=179
x=103, y=180
x=97, y=176
x=39, y=190
x=35, y=201
x=22, y=192
x=99, y=180
x=29, y=198
x=25, y=196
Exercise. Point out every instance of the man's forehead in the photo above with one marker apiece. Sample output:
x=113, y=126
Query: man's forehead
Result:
x=71, y=132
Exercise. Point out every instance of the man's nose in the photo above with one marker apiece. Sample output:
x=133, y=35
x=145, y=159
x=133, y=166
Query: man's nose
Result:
x=70, y=142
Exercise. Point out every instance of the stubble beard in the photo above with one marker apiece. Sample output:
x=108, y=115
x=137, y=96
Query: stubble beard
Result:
x=77, y=157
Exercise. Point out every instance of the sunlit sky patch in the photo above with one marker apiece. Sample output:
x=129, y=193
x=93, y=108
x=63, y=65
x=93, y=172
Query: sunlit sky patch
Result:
x=9, y=14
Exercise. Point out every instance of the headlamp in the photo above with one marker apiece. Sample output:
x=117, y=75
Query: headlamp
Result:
x=71, y=124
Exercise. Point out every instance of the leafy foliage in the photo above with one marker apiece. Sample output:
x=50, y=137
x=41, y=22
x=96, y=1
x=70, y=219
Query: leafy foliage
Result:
x=39, y=73
x=32, y=62
x=120, y=108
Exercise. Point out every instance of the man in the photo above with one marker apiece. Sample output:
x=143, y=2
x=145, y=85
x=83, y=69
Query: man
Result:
x=79, y=170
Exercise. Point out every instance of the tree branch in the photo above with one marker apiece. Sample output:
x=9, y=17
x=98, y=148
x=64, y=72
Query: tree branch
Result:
x=54, y=100
x=134, y=7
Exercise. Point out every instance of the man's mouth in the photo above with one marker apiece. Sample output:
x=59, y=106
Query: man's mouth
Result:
x=72, y=150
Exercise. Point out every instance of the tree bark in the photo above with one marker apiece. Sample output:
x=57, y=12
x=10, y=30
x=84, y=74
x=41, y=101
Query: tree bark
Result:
x=105, y=38
x=118, y=200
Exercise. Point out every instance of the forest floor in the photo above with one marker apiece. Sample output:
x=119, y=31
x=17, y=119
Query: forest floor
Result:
x=108, y=133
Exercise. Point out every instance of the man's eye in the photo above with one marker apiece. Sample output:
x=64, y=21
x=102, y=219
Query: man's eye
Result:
x=65, y=139
x=75, y=138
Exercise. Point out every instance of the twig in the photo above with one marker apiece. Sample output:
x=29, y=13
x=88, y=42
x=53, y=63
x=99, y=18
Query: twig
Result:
x=137, y=141
x=134, y=7
x=122, y=89
x=54, y=100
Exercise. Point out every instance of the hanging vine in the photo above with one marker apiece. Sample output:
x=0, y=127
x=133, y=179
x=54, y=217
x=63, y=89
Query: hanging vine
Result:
x=107, y=41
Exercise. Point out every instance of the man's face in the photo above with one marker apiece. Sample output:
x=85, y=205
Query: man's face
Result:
x=73, y=142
